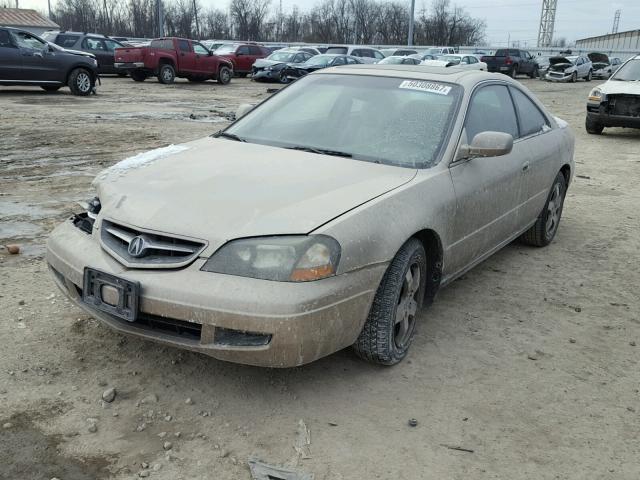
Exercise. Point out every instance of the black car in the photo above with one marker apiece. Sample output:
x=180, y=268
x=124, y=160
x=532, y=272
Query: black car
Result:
x=26, y=59
x=275, y=65
x=319, y=62
x=99, y=45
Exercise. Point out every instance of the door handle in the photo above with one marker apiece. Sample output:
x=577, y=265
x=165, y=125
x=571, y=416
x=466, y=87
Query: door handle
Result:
x=525, y=166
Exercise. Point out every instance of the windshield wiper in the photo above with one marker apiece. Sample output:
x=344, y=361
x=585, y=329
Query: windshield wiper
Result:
x=321, y=151
x=230, y=136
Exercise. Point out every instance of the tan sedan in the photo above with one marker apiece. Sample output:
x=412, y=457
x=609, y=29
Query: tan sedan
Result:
x=323, y=218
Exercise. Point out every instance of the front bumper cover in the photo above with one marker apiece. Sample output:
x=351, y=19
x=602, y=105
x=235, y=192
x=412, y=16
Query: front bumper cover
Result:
x=304, y=321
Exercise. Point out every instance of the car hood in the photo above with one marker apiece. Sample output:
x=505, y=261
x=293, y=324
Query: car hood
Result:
x=560, y=61
x=80, y=53
x=436, y=63
x=614, y=87
x=218, y=190
x=598, y=57
x=263, y=62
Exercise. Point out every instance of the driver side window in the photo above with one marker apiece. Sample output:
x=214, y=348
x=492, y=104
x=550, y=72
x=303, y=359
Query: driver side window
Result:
x=26, y=40
x=244, y=50
x=199, y=49
x=491, y=110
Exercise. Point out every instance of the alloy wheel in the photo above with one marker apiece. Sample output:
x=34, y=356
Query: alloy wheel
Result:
x=407, y=306
x=554, y=209
x=83, y=82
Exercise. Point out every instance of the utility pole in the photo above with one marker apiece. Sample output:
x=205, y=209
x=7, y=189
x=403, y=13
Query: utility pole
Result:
x=160, y=18
x=195, y=13
x=411, y=20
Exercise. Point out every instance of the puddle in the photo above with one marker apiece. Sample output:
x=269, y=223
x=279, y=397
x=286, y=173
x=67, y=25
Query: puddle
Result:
x=26, y=452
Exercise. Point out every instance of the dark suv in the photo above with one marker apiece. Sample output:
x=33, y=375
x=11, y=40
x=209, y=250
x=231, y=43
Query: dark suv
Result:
x=99, y=45
x=26, y=59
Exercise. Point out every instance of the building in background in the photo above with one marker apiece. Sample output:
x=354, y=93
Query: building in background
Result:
x=614, y=41
x=28, y=20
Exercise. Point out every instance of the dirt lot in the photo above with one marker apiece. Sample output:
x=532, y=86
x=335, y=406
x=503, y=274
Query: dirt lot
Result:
x=529, y=362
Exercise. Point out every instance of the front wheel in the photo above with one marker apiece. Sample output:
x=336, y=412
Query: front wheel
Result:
x=389, y=329
x=514, y=71
x=589, y=76
x=574, y=77
x=544, y=230
x=534, y=73
x=283, y=78
x=167, y=74
x=593, y=126
x=224, y=75
x=80, y=82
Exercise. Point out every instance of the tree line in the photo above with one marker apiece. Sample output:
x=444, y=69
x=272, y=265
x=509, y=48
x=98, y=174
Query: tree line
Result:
x=329, y=21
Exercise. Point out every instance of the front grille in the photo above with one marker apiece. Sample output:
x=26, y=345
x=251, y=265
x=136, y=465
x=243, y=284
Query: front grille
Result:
x=625, y=105
x=143, y=249
x=169, y=326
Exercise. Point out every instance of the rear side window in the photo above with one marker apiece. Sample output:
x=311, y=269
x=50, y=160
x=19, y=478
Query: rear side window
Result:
x=66, y=41
x=491, y=110
x=183, y=46
x=253, y=50
x=5, y=40
x=165, y=44
x=531, y=118
x=243, y=50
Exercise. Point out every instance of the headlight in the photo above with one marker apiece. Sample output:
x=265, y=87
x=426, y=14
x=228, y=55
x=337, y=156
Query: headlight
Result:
x=290, y=258
x=595, y=95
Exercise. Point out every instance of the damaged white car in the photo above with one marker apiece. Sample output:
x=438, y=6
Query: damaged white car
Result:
x=603, y=66
x=468, y=62
x=616, y=103
x=569, y=69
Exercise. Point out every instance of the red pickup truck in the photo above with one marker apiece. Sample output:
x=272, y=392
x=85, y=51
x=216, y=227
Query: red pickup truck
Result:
x=168, y=58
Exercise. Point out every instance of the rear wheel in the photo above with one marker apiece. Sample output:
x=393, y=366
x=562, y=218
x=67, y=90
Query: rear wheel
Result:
x=224, y=75
x=50, y=88
x=283, y=76
x=534, y=73
x=80, y=82
x=593, y=126
x=514, y=71
x=166, y=74
x=387, y=334
x=544, y=230
x=138, y=76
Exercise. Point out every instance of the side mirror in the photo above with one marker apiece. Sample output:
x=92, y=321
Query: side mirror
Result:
x=243, y=110
x=487, y=144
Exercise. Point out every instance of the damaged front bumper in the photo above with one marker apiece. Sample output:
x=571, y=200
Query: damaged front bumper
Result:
x=554, y=76
x=237, y=319
x=266, y=75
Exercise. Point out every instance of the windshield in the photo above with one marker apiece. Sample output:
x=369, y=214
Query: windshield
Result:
x=226, y=49
x=281, y=56
x=386, y=120
x=450, y=58
x=319, y=60
x=629, y=72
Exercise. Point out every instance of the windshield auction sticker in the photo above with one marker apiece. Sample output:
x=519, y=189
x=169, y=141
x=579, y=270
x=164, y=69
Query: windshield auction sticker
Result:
x=426, y=87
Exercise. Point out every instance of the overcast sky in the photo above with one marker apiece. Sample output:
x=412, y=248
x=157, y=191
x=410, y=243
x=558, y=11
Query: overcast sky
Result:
x=514, y=19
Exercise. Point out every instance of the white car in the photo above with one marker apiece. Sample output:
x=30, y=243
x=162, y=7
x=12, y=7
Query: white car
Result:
x=569, y=69
x=439, y=50
x=468, y=62
x=616, y=103
x=366, y=54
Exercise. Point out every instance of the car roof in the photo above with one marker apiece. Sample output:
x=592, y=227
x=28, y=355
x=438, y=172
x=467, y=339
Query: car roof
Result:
x=460, y=76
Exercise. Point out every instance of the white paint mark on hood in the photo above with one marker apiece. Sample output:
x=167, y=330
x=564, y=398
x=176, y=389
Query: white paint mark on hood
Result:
x=140, y=160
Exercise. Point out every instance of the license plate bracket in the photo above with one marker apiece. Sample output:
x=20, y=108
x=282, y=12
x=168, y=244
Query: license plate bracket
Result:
x=123, y=295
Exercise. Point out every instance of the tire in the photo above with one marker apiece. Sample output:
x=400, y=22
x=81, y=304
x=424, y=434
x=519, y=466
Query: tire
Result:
x=574, y=77
x=390, y=326
x=224, y=75
x=51, y=88
x=544, y=230
x=81, y=82
x=166, y=74
x=138, y=76
x=593, y=126
x=514, y=72
x=534, y=73
x=283, y=77
x=589, y=76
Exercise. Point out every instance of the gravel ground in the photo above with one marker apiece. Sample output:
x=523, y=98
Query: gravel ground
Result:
x=526, y=367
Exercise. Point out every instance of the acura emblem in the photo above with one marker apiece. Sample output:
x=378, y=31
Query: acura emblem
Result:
x=138, y=247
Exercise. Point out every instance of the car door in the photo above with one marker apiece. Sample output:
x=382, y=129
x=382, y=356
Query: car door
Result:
x=205, y=64
x=243, y=60
x=39, y=62
x=186, y=58
x=465, y=63
x=539, y=154
x=10, y=58
x=97, y=47
x=111, y=46
x=488, y=189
